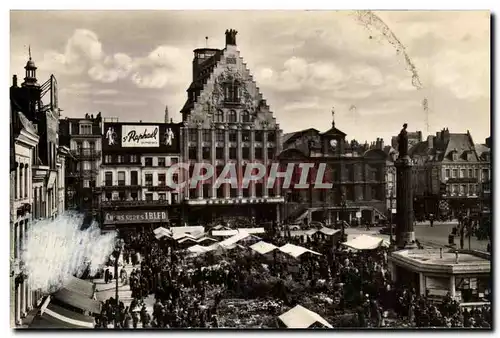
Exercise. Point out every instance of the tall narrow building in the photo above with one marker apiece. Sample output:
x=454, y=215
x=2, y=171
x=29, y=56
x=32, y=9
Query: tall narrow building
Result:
x=227, y=120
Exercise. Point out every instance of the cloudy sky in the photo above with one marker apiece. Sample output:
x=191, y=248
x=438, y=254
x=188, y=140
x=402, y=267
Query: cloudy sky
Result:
x=131, y=65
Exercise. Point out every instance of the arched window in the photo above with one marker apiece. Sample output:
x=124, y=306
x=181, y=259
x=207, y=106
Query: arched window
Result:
x=232, y=92
x=219, y=116
x=21, y=182
x=26, y=180
x=16, y=178
x=232, y=116
x=245, y=116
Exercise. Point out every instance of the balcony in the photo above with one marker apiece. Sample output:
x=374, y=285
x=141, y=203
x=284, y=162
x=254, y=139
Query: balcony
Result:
x=86, y=154
x=107, y=186
x=462, y=180
x=83, y=173
x=160, y=187
x=132, y=203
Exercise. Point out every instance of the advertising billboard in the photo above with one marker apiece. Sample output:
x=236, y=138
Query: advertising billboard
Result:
x=134, y=137
x=140, y=136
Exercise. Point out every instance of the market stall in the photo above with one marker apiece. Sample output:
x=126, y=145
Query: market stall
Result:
x=366, y=242
x=301, y=318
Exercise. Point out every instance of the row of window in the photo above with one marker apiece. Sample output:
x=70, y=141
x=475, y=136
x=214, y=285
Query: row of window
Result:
x=135, y=159
x=134, y=179
x=301, y=195
x=464, y=189
x=134, y=196
x=233, y=153
x=232, y=192
x=232, y=116
x=233, y=135
x=464, y=173
x=21, y=179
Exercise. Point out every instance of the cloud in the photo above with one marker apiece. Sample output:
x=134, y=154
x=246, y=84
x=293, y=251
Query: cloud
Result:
x=81, y=49
x=163, y=66
x=106, y=92
x=121, y=102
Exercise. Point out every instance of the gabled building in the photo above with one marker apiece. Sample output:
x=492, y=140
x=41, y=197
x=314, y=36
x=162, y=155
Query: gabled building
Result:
x=226, y=120
x=37, y=167
x=449, y=173
x=357, y=174
x=83, y=137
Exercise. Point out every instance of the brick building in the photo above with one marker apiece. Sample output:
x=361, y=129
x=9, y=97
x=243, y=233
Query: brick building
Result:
x=133, y=185
x=356, y=172
x=83, y=137
x=449, y=172
x=226, y=120
x=37, y=165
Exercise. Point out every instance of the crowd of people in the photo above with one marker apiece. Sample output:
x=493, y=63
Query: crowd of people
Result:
x=187, y=289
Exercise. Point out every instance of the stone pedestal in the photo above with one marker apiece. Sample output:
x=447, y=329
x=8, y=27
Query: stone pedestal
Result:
x=405, y=234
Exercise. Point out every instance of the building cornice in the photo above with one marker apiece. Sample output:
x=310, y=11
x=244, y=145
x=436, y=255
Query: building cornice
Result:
x=27, y=139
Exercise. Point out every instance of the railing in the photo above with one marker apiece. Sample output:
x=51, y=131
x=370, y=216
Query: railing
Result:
x=85, y=172
x=132, y=203
x=86, y=153
x=120, y=187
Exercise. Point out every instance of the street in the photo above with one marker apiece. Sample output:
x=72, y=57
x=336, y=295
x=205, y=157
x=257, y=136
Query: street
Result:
x=436, y=236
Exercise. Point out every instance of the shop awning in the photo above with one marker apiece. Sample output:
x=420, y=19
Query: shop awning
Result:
x=301, y=318
x=77, y=300
x=365, y=242
x=80, y=286
x=56, y=317
x=263, y=247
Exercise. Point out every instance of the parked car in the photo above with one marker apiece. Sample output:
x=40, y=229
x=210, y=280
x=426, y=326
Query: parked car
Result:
x=387, y=230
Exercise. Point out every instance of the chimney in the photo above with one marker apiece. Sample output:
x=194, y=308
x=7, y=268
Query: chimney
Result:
x=430, y=142
x=441, y=253
x=14, y=81
x=231, y=37
x=171, y=120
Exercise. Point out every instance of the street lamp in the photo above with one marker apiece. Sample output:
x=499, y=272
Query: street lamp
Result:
x=343, y=205
x=117, y=253
x=391, y=196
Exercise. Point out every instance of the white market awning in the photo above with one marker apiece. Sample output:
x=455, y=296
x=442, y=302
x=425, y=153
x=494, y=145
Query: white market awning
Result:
x=263, y=247
x=227, y=233
x=365, y=242
x=301, y=318
x=329, y=231
x=295, y=250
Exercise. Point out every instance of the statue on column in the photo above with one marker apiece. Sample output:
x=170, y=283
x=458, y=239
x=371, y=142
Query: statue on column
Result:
x=403, y=142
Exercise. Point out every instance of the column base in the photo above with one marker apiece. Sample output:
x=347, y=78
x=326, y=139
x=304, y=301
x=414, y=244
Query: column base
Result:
x=407, y=241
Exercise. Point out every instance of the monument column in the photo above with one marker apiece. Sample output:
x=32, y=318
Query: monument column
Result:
x=405, y=234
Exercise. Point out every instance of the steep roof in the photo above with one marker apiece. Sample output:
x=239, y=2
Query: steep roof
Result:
x=289, y=137
x=481, y=149
x=459, y=143
x=334, y=131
